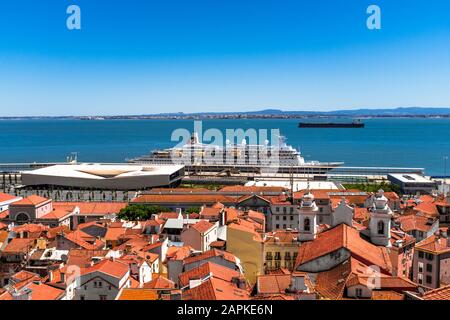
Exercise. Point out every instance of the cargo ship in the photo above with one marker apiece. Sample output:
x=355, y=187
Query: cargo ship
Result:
x=353, y=124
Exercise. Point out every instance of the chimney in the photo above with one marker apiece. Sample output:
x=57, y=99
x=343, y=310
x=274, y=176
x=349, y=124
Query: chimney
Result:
x=63, y=277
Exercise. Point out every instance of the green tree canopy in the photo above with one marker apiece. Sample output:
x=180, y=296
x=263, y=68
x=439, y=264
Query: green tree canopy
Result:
x=139, y=212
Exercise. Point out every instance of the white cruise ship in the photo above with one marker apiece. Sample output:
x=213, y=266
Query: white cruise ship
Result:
x=243, y=157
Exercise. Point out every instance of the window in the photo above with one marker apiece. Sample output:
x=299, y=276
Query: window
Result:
x=277, y=256
x=307, y=224
x=429, y=279
x=284, y=226
x=102, y=297
x=82, y=297
x=292, y=210
x=380, y=227
x=429, y=256
x=420, y=279
x=292, y=218
x=429, y=267
x=421, y=254
x=284, y=218
x=277, y=209
x=100, y=284
x=277, y=226
x=420, y=267
x=284, y=209
x=420, y=234
x=22, y=218
x=358, y=292
x=277, y=218
x=320, y=209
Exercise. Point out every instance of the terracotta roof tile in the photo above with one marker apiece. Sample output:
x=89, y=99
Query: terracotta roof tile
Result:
x=32, y=200
x=274, y=283
x=115, y=269
x=138, y=294
x=160, y=282
x=6, y=197
x=206, y=269
x=216, y=289
x=202, y=226
x=209, y=254
x=343, y=236
x=442, y=293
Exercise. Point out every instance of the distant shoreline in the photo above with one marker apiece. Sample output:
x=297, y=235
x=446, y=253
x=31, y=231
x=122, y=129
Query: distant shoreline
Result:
x=410, y=112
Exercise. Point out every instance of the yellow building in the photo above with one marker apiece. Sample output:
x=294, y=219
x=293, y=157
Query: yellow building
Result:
x=246, y=244
x=280, y=249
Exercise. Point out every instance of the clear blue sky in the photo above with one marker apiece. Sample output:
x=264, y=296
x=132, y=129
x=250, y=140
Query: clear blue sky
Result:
x=148, y=56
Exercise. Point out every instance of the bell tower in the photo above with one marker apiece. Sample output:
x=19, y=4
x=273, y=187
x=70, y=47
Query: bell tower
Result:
x=307, y=217
x=380, y=221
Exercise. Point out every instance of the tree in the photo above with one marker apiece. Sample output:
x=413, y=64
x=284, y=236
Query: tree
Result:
x=192, y=210
x=139, y=212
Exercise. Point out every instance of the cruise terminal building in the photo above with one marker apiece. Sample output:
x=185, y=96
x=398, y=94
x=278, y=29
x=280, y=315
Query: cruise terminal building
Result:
x=105, y=176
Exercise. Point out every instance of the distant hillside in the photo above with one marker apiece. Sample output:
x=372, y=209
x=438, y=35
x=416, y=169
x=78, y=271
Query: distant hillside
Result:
x=409, y=111
x=269, y=113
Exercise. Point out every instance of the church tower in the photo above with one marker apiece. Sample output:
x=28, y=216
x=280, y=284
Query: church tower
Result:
x=380, y=221
x=307, y=217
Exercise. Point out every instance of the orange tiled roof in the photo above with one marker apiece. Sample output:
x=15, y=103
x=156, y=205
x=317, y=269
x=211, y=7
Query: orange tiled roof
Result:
x=113, y=234
x=202, y=226
x=209, y=254
x=201, y=272
x=19, y=245
x=434, y=244
x=94, y=208
x=31, y=228
x=442, y=293
x=160, y=282
x=215, y=289
x=415, y=222
x=57, y=214
x=41, y=291
x=343, y=236
x=360, y=214
x=211, y=212
x=282, y=236
x=6, y=197
x=79, y=238
x=387, y=295
x=83, y=258
x=115, y=269
x=32, y=200
x=273, y=283
x=138, y=294
x=178, y=253
x=4, y=214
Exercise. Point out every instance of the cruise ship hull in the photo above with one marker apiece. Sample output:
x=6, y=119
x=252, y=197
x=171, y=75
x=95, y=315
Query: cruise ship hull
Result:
x=319, y=168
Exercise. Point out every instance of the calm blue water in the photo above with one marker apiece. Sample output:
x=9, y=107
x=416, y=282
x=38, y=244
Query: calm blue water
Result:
x=384, y=142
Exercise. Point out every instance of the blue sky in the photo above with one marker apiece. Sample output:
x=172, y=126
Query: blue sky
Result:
x=147, y=56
